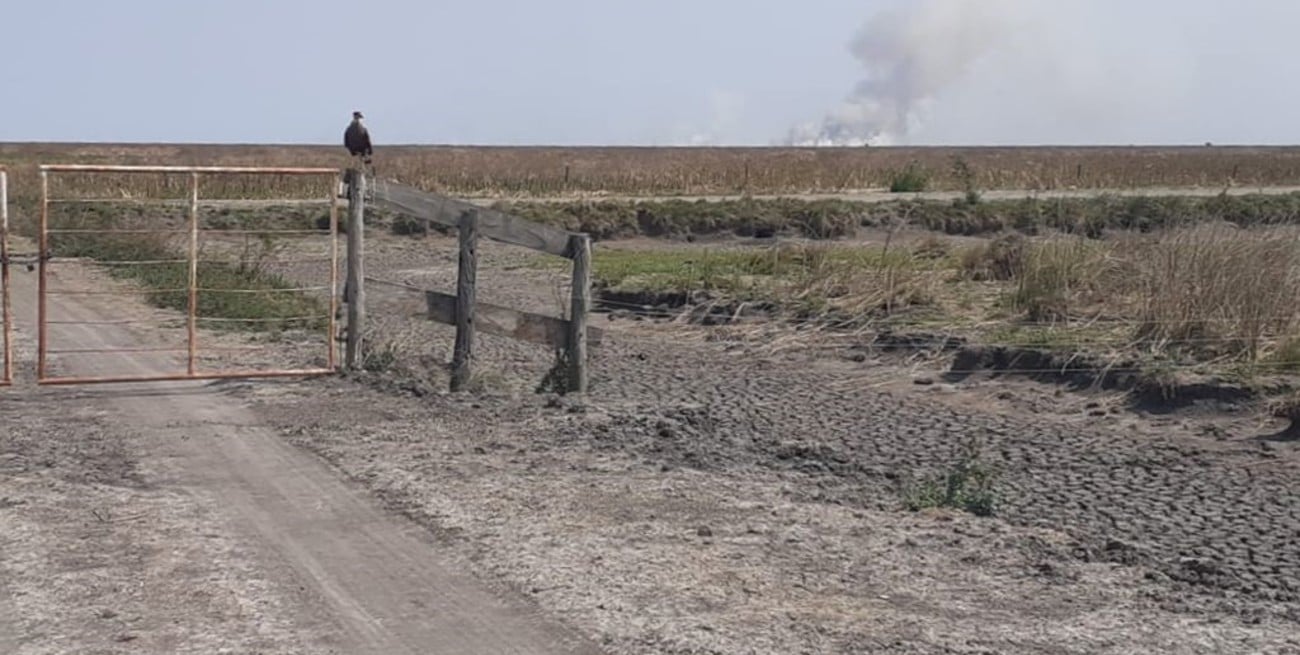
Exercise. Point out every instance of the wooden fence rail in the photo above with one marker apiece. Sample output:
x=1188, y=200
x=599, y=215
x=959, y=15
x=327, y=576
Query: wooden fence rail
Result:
x=570, y=336
x=506, y=322
x=492, y=224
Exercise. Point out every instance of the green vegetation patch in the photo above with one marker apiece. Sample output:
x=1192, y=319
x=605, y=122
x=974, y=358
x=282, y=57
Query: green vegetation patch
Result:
x=969, y=215
x=245, y=294
x=970, y=484
x=819, y=219
x=802, y=279
x=912, y=179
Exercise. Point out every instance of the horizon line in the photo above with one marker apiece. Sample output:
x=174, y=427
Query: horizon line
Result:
x=246, y=144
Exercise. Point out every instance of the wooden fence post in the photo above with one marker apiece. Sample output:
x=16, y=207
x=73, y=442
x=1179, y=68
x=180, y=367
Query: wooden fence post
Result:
x=462, y=357
x=580, y=246
x=356, y=288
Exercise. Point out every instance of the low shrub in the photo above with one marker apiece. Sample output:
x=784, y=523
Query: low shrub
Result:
x=969, y=485
x=912, y=179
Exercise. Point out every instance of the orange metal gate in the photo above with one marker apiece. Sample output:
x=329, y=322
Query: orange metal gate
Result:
x=7, y=368
x=179, y=363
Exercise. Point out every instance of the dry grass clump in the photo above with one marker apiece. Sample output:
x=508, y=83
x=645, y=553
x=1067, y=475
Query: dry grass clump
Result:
x=1210, y=292
x=1054, y=276
x=1001, y=259
x=866, y=282
x=1216, y=289
x=932, y=247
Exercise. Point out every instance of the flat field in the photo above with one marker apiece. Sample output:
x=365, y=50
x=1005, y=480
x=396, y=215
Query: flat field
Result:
x=550, y=171
x=780, y=452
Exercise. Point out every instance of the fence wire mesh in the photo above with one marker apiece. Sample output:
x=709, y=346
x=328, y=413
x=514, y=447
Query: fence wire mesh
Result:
x=237, y=270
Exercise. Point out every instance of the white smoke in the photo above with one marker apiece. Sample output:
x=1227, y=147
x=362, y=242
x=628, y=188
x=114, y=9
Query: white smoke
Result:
x=910, y=54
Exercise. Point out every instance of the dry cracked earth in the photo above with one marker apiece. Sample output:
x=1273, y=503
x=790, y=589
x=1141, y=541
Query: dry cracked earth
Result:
x=731, y=493
x=715, y=493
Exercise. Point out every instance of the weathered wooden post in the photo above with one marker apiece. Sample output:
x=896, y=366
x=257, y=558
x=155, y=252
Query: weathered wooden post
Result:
x=356, y=288
x=580, y=307
x=467, y=273
x=7, y=375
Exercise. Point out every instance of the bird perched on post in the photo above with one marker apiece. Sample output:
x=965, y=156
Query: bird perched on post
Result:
x=357, y=139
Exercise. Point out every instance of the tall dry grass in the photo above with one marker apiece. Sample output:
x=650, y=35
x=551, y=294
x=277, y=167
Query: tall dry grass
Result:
x=1059, y=278
x=531, y=171
x=870, y=283
x=1213, y=291
x=1191, y=294
x=1217, y=288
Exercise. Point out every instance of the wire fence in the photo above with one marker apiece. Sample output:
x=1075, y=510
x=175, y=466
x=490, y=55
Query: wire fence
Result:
x=1101, y=341
x=769, y=335
x=228, y=291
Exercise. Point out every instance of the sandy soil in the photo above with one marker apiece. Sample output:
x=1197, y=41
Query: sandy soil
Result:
x=713, y=494
x=168, y=518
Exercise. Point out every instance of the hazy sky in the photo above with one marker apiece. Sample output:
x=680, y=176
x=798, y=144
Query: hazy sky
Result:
x=648, y=72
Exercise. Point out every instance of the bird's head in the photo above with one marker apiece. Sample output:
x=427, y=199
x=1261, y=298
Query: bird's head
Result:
x=356, y=115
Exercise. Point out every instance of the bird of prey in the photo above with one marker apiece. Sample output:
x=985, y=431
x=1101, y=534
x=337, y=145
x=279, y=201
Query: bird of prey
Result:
x=357, y=139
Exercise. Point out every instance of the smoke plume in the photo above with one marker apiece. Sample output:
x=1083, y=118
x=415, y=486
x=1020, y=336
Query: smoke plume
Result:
x=910, y=54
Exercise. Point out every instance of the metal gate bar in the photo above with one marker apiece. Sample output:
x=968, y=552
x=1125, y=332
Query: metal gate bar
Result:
x=7, y=374
x=192, y=348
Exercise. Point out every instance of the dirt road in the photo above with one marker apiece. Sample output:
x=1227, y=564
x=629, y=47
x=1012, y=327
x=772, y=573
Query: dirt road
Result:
x=238, y=540
x=713, y=494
